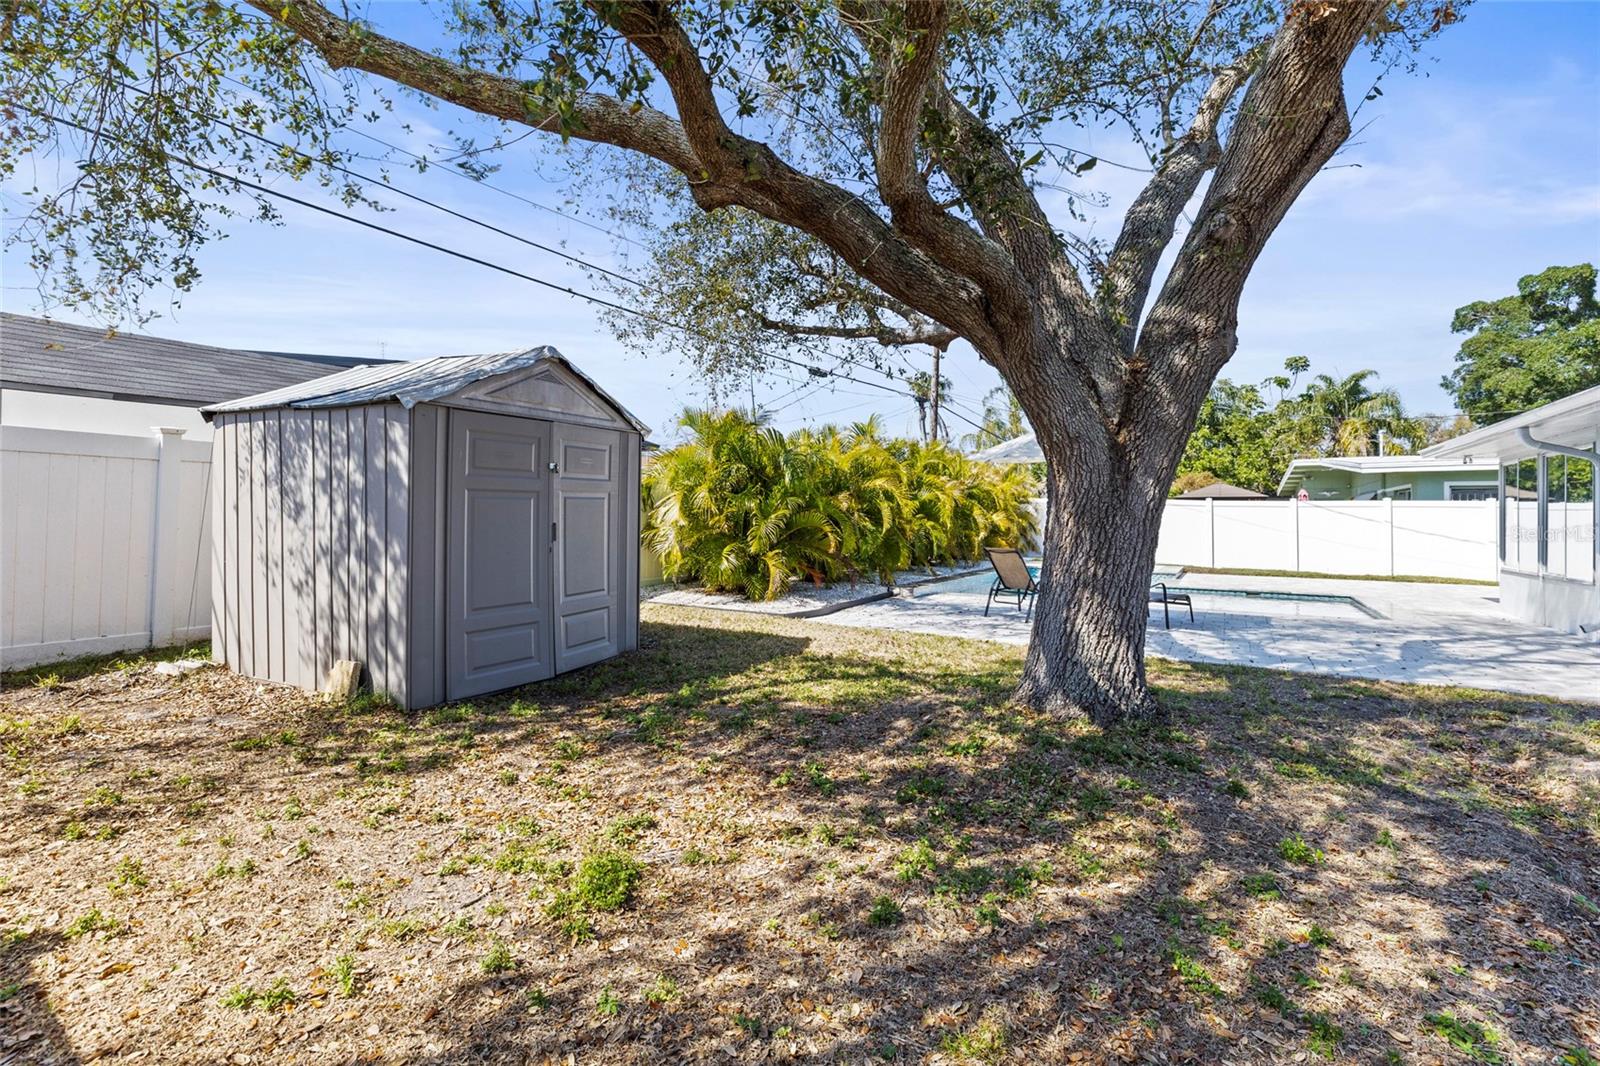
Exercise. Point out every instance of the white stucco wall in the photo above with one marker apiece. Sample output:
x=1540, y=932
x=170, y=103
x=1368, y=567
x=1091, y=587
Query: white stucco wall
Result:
x=88, y=414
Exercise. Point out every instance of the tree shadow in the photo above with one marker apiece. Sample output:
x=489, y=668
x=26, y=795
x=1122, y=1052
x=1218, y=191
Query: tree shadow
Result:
x=1052, y=889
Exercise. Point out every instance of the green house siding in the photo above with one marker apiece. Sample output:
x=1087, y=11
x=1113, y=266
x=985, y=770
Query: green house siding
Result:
x=1425, y=485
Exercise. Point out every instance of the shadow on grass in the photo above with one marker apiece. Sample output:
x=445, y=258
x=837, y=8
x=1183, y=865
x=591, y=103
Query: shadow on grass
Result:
x=1296, y=864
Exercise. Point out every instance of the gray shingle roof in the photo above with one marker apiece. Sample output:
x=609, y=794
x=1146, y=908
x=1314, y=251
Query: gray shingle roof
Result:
x=411, y=383
x=40, y=354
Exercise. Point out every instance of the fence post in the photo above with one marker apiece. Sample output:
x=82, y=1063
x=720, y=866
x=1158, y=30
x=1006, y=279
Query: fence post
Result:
x=1294, y=504
x=1211, y=531
x=1388, y=514
x=164, y=546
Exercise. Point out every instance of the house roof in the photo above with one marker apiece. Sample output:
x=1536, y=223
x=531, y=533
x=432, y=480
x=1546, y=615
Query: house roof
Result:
x=43, y=355
x=1572, y=420
x=1221, y=490
x=1373, y=464
x=411, y=383
x=1023, y=449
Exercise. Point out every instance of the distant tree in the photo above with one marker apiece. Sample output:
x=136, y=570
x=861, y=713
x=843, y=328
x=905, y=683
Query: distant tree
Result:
x=1002, y=420
x=1528, y=349
x=1232, y=441
x=1194, y=479
x=1246, y=437
x=1241, y=437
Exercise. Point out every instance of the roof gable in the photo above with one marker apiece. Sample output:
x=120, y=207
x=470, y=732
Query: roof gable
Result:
x=536, y=382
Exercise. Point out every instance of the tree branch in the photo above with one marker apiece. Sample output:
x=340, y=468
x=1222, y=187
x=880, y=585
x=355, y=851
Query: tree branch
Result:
x=344, y=44
x=1149, y=224
x=910, y=71
x=1291, y=121
x=888, y=336
x=723, y=168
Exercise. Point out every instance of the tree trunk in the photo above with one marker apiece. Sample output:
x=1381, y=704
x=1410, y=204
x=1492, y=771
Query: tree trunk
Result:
x=1087, y=651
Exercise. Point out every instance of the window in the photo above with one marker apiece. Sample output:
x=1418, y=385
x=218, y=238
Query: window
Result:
x=1569, y=514
x=1519, y=512
x=1473, y=492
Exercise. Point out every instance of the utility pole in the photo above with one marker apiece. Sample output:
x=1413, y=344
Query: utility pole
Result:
x=934, y=431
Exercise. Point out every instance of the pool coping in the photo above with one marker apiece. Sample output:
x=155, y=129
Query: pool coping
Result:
x=883, y=592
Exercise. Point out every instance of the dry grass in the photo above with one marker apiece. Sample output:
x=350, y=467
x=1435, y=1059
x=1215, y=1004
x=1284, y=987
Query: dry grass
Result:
x=760, y=838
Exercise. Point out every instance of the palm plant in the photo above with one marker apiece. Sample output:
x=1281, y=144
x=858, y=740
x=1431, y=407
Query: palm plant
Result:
x=745, y=508
x=1343, y=416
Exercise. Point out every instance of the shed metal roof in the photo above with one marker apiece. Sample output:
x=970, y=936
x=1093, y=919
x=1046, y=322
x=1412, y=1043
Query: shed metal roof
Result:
x=43, y=355
x=411, y=383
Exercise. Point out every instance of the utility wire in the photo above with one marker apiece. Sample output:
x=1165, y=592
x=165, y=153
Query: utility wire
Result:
x=384, y=183
x=815, y=371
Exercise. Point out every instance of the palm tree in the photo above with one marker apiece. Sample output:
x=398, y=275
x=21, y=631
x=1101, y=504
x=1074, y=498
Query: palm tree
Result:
x=1002, y=420
x=744, y=508
x=1343, y=416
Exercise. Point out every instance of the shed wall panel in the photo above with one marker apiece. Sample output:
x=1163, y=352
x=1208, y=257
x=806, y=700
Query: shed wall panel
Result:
x=315, y=488
x=630, y=542
x=272, y=557
x=218, y=503
x=375, y=522
x=424, y=640
x=321, y=543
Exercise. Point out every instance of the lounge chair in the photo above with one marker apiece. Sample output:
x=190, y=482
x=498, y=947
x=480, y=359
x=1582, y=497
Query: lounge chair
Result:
x=1012, y=577
x=1167, y=599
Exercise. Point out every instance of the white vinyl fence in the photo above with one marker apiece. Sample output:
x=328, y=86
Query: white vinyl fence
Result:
x=1418, y=538
x=104, y=543
x=1411, y=538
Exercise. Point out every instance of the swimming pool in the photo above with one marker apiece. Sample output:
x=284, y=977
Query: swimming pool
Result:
x=1232, y=600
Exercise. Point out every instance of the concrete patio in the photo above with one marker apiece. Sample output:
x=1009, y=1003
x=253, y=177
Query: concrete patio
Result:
x=1429, y=634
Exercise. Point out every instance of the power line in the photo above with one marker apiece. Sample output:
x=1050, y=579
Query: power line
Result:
x=813, y=370
x=384, y=183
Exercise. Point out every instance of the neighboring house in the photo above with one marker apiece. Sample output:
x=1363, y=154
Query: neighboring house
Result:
x=1221, y=490
x=54, y=375
x=1390, y=477
x=1546, y=465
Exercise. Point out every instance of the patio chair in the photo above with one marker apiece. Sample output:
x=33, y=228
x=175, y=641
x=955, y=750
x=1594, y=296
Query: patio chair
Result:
x=1167, y=599
x=1012, y=577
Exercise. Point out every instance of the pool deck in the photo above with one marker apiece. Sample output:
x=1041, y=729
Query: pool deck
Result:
x=1429, y=634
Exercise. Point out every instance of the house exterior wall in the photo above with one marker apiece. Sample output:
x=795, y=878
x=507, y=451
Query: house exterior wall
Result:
x=311, y=543
x=1425, y=485
x=94, y=414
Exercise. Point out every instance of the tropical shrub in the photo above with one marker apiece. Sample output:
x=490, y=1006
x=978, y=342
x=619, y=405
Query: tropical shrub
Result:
x=745, y=508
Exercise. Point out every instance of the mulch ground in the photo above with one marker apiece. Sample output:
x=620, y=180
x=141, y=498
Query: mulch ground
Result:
x=849, y=846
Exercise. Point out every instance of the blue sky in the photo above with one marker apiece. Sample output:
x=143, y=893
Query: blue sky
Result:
x=1482, y=166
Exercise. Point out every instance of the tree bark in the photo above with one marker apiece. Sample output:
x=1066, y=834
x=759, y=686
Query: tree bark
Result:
x=1103, y=518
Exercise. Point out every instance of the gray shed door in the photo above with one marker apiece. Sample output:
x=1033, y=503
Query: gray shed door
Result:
x=498, y=629
x=588, y=551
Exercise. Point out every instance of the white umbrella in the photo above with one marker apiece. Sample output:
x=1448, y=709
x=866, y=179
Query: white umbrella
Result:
x=1023, y=449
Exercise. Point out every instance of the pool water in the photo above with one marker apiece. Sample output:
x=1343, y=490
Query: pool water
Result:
x=1234, y=600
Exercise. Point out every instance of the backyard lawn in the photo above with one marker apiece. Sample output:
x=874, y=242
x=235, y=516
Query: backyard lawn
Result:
x=768, y=839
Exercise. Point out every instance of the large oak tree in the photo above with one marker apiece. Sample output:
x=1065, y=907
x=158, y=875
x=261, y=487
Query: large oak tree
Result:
x=881, y=169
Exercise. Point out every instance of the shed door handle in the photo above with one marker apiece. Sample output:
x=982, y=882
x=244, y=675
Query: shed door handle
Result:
x=552, y=532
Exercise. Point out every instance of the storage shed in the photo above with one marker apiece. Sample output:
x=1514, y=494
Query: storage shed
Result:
x=457, y=525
